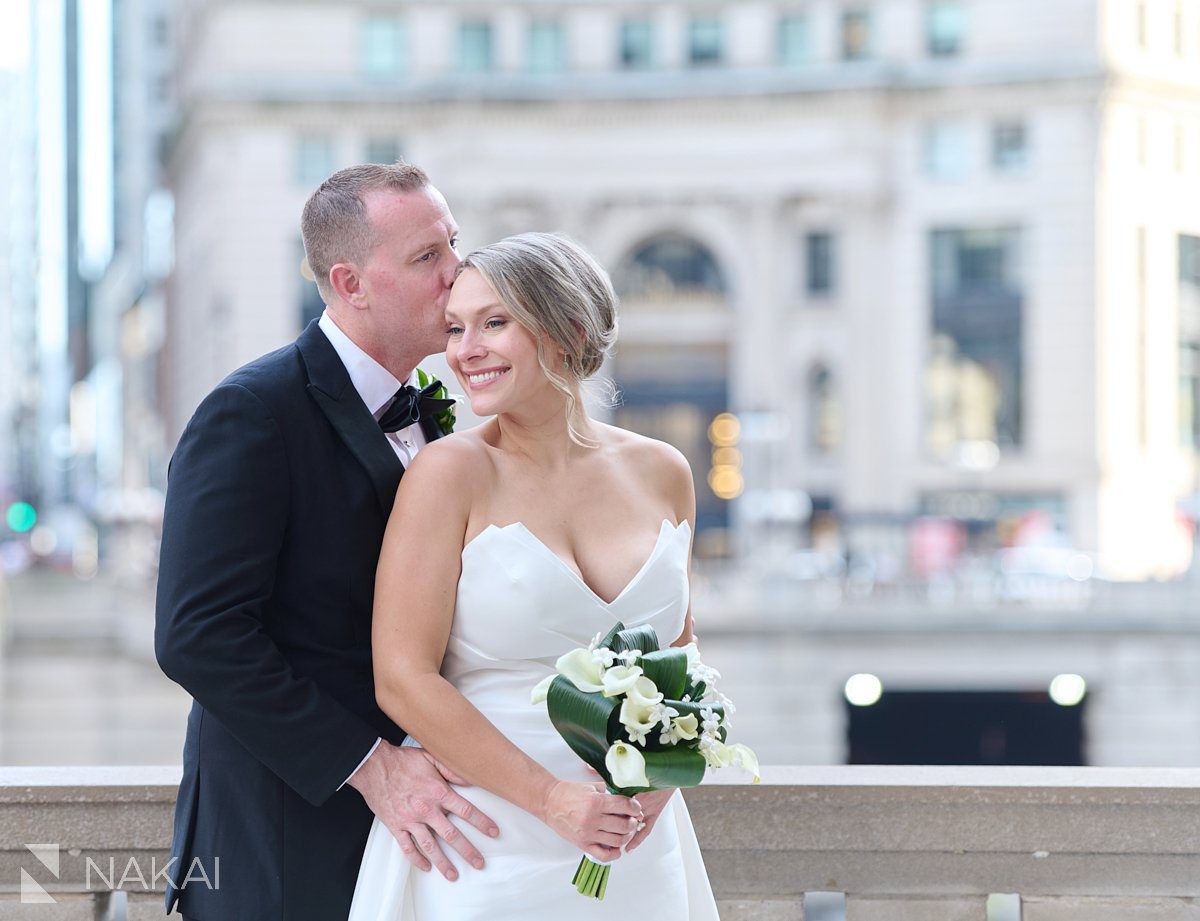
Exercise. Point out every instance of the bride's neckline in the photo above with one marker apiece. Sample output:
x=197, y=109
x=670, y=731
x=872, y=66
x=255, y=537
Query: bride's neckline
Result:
x=664, y=528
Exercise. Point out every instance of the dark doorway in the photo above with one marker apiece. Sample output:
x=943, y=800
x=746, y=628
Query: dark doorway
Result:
x=966, y=727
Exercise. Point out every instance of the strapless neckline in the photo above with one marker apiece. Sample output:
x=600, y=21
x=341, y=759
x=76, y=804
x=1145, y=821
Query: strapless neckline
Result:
x=536, y=542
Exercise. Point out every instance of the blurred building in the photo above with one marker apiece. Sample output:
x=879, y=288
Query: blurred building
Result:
x=940, y=257
x=18, y=335
x=40, y=286
x=126, y=449
x=55, y=278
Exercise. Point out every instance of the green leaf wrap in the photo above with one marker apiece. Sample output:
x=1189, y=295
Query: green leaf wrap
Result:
x=583, y=720
x=643, y=639
x=667, y=668
x=609, y=638
x=674, y=767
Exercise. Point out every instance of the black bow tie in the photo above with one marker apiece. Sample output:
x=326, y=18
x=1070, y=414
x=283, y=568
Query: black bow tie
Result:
x=411, y=405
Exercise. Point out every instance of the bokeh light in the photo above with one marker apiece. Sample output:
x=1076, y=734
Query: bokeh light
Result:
x=21, y=517
x=725, y=430
x=726, y=482
x=1067, y=690
x=863, y=690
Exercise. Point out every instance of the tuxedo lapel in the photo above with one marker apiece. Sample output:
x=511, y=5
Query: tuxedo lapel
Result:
x=330, y=387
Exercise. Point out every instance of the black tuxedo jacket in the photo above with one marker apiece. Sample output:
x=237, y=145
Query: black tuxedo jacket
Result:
x=278, y=495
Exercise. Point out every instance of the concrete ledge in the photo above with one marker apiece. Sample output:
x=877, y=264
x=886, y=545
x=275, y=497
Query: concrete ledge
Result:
x=898, y=909
x=760, y=910
x=929, y=838
x=1077, y=909
x=942, y=831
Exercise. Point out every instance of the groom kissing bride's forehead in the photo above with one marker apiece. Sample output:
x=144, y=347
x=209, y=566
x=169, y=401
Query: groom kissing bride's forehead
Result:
x=279, y=493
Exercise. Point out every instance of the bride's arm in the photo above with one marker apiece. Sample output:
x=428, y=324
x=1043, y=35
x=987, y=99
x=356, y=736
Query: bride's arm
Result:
x=670, y=478
x=675, y=478
x=415, y=587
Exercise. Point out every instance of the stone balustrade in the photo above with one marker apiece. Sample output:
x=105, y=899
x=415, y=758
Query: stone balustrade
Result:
x=902, y=843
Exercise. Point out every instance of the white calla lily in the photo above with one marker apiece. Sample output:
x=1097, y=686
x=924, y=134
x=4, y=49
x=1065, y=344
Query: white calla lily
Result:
x=580, y=668
x=637, y=720
x=619, y=679
x=626, y=765
x=717, y=754
x=693, y=655
x=743, y=756
x=685, y=727
x=542, y=691
x=644, y=693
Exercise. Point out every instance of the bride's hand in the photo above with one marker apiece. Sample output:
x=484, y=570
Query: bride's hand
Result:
x=597, y=822
x=652, y=804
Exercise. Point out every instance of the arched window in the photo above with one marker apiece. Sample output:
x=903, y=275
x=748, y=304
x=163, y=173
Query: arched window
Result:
x=670, y=267
x=824, y=412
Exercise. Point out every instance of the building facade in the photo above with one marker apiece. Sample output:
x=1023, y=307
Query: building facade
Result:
x=18, y=333
x=126, y=458
x=940, y=259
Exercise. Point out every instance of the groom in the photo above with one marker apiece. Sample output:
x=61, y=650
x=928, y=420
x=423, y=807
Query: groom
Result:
x=278, y=495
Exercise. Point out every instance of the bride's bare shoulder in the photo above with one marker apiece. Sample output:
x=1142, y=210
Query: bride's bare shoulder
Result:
x=464, y=454
x=660, y=465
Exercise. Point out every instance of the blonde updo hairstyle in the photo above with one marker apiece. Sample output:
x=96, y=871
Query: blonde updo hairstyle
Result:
x=555, y=289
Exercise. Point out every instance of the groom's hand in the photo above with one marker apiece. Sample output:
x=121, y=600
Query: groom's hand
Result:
x=407, y=790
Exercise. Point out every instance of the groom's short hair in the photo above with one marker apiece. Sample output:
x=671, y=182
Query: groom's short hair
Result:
x=334, y=224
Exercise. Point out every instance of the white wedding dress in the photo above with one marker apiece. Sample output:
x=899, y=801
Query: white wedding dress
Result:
x=519, y=608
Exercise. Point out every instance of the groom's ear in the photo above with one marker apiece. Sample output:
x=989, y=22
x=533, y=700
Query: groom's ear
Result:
x=346, y=283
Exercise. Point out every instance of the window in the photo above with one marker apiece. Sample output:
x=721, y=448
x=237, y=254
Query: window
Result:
x=974, y=370
x=314, y=159
x=637, y=44
x=547, y=47
x=819, y=264
x=945, y=23
x=475, y=47
x=794, y=39
x=1180, y=149
x=160, y=30
x=384, y=46
x=856, y=35
x=1009, y=150
x=1189, y=341
x=383, y=150
x=704, y=42
x=672, y=269
x=945, y=152
x=824, y=413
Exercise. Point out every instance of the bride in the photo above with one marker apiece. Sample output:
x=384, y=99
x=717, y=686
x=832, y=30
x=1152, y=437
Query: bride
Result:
x=510, y=544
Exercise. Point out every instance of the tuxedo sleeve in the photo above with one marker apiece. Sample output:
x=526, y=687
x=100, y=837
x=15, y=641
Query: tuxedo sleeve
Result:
x=225, y=522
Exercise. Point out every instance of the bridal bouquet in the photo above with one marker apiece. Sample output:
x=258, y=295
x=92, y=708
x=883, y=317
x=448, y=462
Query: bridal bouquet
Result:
x=644, y=718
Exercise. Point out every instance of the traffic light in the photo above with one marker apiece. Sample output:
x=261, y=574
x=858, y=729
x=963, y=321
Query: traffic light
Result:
x=21, y=517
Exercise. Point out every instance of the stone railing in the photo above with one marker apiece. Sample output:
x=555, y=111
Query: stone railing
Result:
x=902, y=843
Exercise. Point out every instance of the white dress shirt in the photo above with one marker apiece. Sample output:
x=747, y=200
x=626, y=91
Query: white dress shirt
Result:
x=377, y=386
